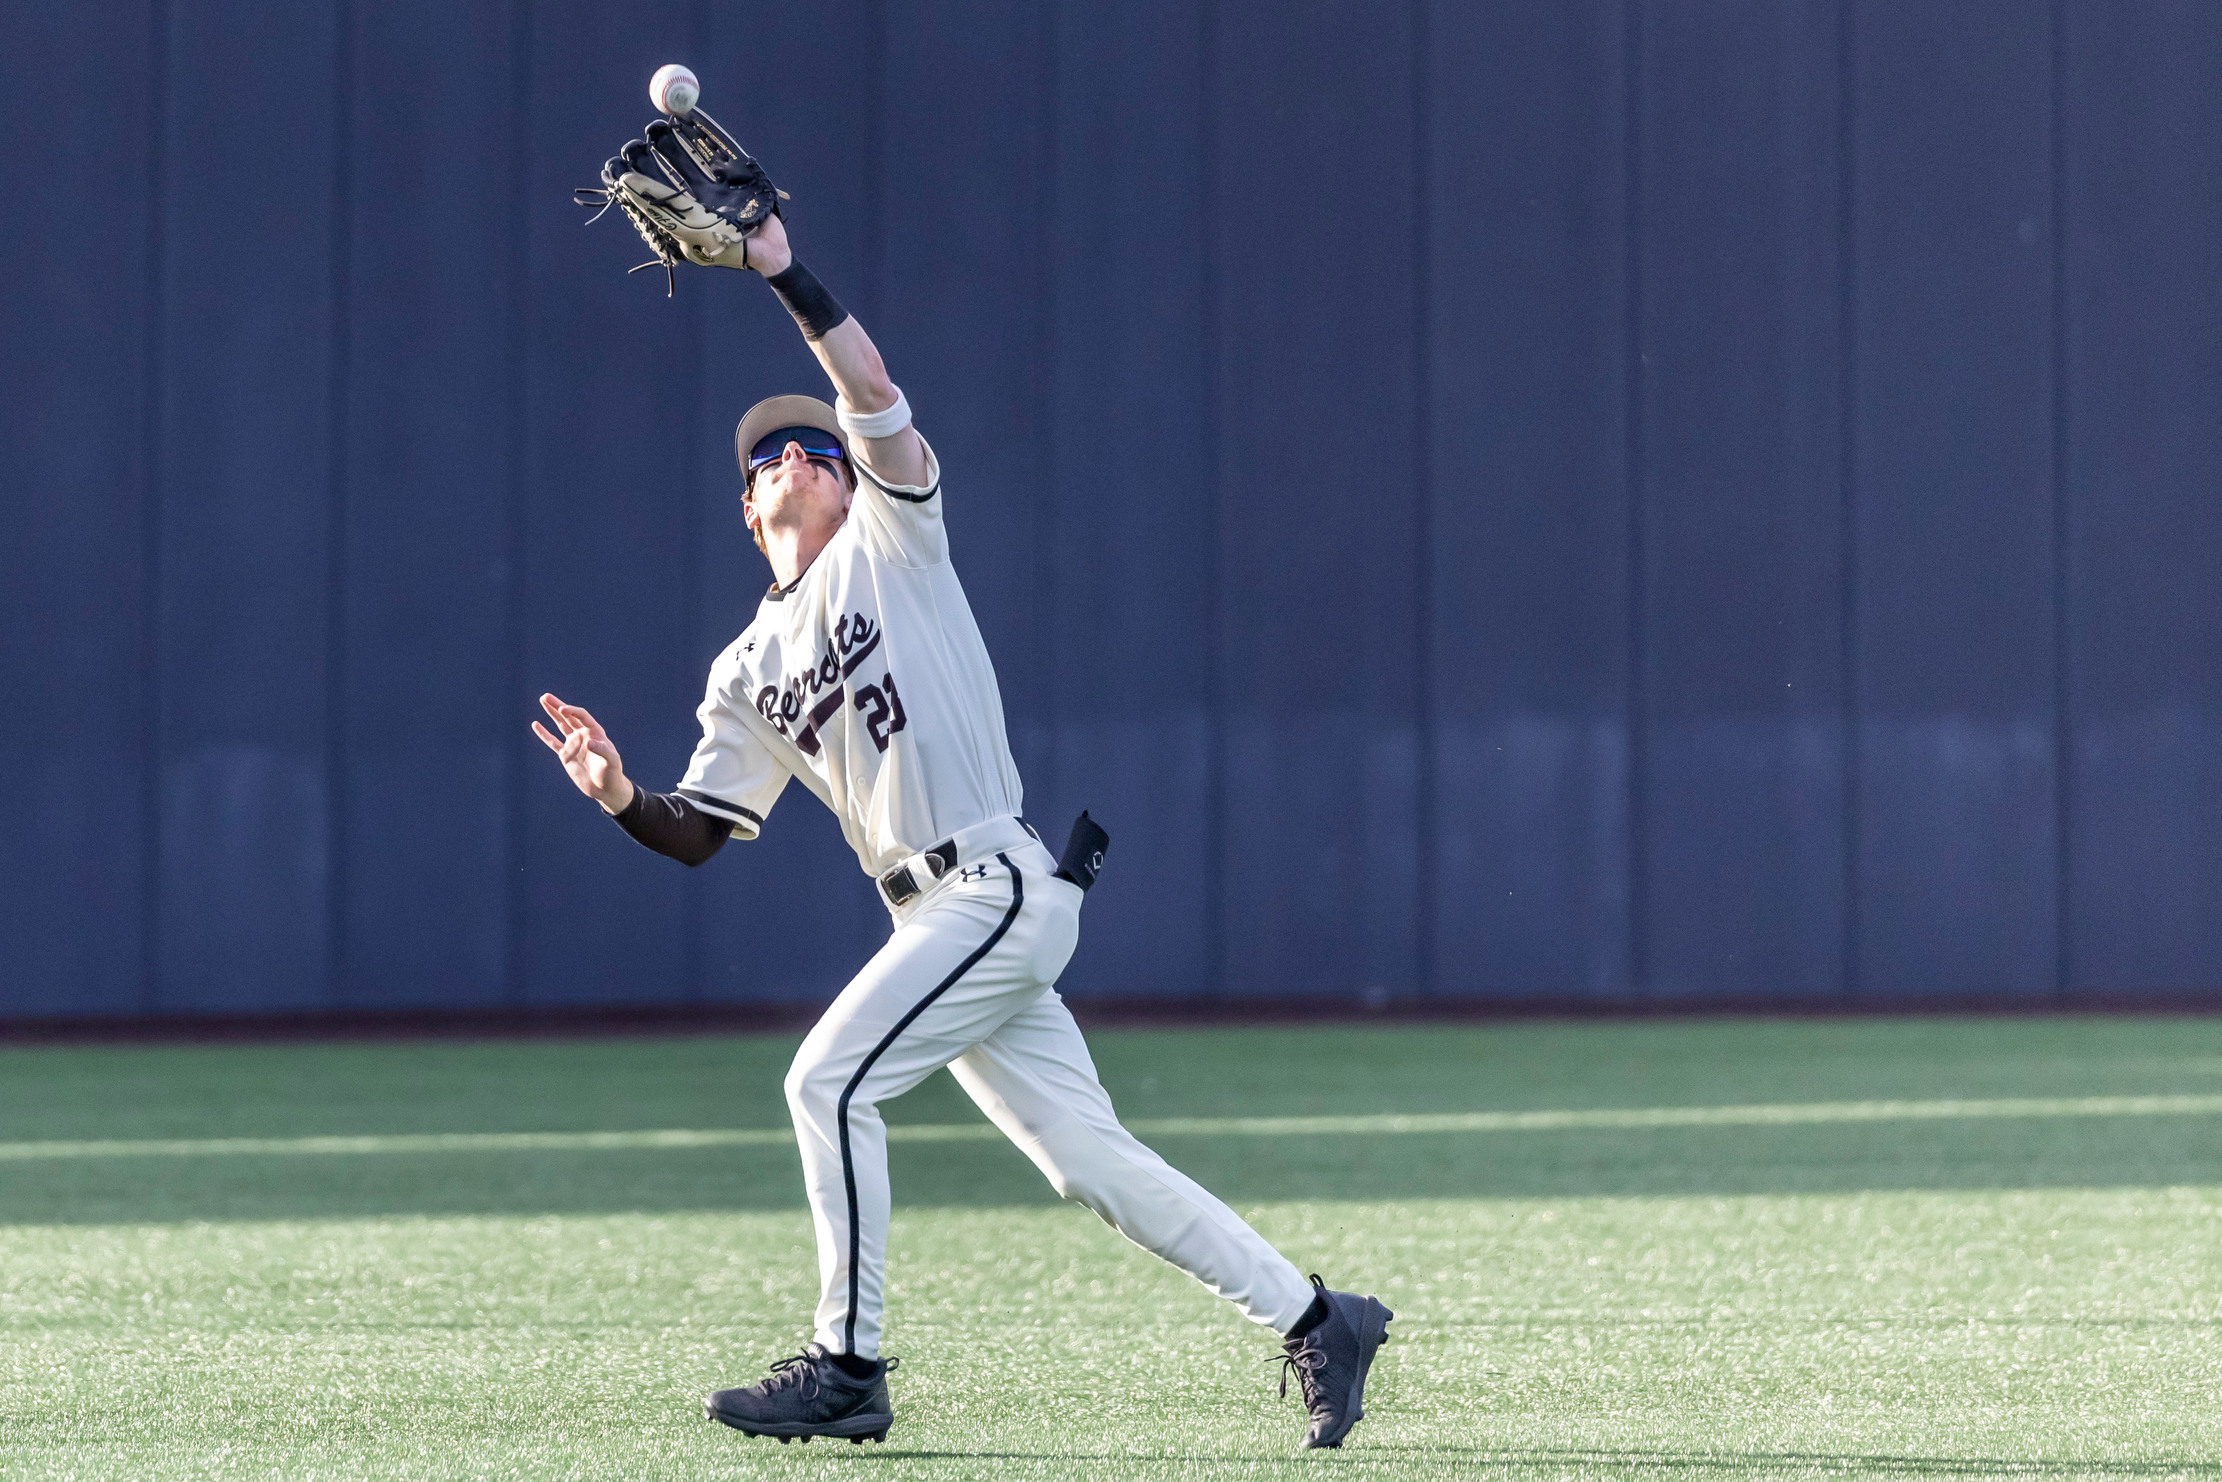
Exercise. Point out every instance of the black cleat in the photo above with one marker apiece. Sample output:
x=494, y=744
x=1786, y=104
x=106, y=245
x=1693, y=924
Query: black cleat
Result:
x=1331, y=1363
x=808, y=1395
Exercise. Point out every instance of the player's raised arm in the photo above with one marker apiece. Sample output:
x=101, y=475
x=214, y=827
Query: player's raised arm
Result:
x=693, y=193
x=852, y=362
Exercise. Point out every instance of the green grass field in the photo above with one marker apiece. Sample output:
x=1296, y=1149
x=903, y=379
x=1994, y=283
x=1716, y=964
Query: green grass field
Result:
x=1879, y=1248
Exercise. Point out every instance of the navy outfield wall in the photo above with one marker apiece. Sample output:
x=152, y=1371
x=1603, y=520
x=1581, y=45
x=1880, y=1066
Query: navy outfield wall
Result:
x=1559, y=502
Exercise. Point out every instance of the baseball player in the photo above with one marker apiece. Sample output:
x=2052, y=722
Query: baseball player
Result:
x=864, y=678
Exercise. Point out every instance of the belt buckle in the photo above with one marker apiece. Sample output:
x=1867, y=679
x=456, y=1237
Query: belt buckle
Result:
x=901, y=887
x=898, y=886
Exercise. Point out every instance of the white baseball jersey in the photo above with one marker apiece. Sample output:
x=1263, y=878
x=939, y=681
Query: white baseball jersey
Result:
x=868, y=680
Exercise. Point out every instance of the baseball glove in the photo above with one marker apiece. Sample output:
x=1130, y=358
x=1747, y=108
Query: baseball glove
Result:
x=690, y=191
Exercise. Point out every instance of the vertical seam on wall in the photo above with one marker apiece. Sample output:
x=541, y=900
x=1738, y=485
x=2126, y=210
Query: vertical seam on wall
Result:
x=335, y=513
x=515, y=896
x=693, y=886
x=1044, y=506
x=2063, y=740
x=1423, y=521
x=1632, y=431
x=1215, y=723
x=150, y=519
x=873, y=234
x=1847, y=374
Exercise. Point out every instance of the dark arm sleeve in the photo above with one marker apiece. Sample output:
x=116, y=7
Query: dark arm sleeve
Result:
x=669, y=824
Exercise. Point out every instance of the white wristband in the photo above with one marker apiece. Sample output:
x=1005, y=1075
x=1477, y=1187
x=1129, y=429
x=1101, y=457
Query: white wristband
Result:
x=873, y=424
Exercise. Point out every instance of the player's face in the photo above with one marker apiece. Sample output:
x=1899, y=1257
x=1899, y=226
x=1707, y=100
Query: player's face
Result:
x=800, y=490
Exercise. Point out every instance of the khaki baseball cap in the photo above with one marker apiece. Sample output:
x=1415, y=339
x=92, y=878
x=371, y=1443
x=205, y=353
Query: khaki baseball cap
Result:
x=775, y=412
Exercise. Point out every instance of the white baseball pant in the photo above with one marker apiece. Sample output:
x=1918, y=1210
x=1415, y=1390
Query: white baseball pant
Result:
x=966, y=981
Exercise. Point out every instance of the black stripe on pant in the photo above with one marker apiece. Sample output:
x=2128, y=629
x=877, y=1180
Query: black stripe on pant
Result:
x=848, y=1168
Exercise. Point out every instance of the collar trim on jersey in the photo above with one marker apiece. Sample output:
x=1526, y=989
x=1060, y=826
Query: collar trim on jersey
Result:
x=780, y=593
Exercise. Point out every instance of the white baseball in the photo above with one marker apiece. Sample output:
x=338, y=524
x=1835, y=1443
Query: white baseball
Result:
x=674, y=90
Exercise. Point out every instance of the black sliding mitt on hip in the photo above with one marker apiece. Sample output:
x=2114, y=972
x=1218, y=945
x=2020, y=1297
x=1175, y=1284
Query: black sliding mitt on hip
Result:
x=1083, y=857
x=690, y=191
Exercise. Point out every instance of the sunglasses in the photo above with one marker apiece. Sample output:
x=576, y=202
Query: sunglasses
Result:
x=772, y=446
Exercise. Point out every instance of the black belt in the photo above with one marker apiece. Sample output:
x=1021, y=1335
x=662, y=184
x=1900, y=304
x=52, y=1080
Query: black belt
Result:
x=901, y=885
x=919, y=873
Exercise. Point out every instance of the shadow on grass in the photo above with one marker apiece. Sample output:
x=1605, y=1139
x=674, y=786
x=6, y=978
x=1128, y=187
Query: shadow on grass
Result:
x=1850, y=1464
x=1976, y=1154
x=1633, y=1462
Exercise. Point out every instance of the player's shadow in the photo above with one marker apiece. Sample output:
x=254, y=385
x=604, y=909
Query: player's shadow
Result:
x=1639, y=1462
x=1622, y=1461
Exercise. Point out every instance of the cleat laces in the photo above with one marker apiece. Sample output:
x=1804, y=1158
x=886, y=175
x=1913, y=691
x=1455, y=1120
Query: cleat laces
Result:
x=1307, y=1362
x=799, y=1372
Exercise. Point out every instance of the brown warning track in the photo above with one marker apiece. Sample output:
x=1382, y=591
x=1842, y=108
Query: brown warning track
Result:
x=1093, y=1012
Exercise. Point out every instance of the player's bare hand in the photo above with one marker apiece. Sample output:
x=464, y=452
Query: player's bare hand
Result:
x=768, y=252
x=585, y=750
